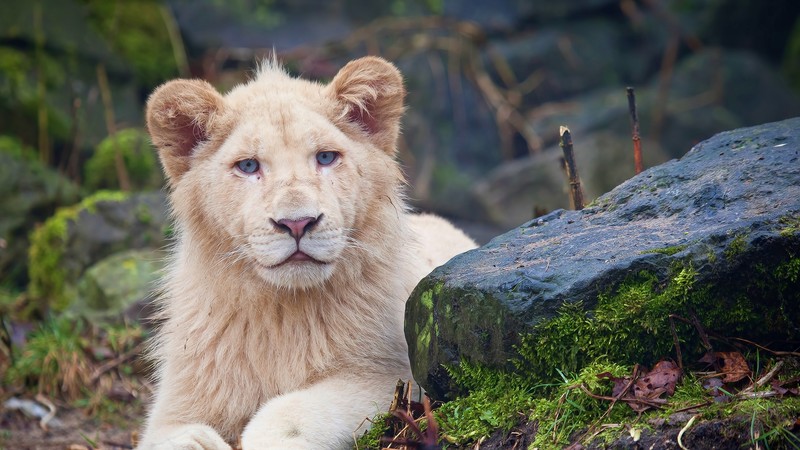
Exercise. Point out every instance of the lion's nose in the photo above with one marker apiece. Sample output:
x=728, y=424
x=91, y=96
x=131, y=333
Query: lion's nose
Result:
x=296, y=227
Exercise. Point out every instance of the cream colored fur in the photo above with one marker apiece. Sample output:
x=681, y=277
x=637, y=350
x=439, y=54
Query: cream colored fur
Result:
x=285, y=354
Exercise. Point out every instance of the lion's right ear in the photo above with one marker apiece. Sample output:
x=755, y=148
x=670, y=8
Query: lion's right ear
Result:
x=180, y=115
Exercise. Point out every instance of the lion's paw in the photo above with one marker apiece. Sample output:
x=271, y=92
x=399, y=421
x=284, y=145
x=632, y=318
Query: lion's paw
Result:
x=191, y=437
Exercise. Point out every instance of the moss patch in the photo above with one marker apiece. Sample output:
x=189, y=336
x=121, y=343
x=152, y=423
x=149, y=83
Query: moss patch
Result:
x=669, y=251
x=49, y=285
x=630, y=324
x=138, y=156
x=737, y=246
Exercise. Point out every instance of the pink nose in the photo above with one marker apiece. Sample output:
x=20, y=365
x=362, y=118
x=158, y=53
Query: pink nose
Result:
x=296, y=227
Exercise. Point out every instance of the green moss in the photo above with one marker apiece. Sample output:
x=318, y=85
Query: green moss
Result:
x=631, y=323
x=737, y=246
x=495, y=401
x=138, y=157
x=669, y=251
x=48, y=276
x=789, y=270
x=791, y=225
x=371, y=438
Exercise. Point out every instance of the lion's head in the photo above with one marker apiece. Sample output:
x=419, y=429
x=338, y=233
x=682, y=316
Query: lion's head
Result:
x=281, y=175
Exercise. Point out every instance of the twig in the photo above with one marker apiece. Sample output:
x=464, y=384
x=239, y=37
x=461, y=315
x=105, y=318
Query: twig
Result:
x=637, y=142
x=752, y=395
x=774, y=352
x=108, y=105
x=689, y=408
x=46, y=419
x=684, y=429
x=653, y=402
x=676, y=341
x=702, y=332
x=613, y=401
x=765, y=379
x=45, y=151
x=575, y=191
x=115, y=362
x=178, y=49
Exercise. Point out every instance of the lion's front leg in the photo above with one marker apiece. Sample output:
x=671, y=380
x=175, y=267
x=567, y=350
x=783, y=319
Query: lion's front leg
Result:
x=185, y=437
x=326, y=415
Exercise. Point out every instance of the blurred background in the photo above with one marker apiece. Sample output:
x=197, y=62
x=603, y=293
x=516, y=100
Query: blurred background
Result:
x=489, y=84
x=82, y=212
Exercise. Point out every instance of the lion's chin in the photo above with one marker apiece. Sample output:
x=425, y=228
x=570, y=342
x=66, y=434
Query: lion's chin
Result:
x=299, y=271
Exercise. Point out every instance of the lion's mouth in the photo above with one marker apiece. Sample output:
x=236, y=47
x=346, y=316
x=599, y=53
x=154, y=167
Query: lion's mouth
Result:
x=298, y=257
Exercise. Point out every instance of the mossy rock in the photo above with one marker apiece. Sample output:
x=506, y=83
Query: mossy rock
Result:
x=79, y=236
x=138, y=157
x=713, y=235
x=117, y=286
x=29, y=193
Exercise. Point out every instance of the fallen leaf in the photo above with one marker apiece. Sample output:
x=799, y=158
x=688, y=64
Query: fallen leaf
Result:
x=662, y=379
x=734, y=367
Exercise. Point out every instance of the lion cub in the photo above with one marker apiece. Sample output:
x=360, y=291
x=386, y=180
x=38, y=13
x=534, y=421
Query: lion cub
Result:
x=283, y=306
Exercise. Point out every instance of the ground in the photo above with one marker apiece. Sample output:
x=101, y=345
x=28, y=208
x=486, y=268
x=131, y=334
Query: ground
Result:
x=75, y=430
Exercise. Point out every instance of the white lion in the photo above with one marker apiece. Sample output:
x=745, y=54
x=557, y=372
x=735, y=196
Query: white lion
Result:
x=283, y=306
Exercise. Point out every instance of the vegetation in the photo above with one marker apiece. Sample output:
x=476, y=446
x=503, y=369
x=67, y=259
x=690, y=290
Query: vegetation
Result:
x=57, y=115
x=49, y=284
x=138, y=156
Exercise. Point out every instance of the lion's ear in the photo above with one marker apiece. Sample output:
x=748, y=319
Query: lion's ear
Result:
x=369, y=94
x=180, y=115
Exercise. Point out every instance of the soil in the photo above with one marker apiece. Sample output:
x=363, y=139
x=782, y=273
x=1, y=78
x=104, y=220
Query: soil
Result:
x=730, y=433
x=72, y=429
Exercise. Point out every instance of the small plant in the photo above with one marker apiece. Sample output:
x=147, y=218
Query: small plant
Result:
x=55, y=360
x=137, y=154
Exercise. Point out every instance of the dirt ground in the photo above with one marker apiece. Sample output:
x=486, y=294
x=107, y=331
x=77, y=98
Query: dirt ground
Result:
x=71, y=429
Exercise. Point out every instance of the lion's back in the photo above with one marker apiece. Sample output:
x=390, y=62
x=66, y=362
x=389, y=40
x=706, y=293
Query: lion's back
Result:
x=438, y=240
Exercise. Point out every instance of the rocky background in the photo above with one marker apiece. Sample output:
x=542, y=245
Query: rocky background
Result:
x=83, y=222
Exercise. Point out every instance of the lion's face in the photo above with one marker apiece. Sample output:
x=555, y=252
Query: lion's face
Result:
x=282, y=173
x=285, y=194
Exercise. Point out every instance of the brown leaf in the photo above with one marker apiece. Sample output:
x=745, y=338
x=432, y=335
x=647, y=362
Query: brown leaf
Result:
x=734, y=366
x=662, y=379
x=647, y=386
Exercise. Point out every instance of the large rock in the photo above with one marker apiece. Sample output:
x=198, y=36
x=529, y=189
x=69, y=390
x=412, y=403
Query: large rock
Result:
x=79, y=236
x=716, y=234
x=29, y=193
x=118, y=286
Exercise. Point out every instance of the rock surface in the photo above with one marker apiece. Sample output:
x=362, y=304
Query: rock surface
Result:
x=80, y=236
x=29, y=193
x=731, y=205
x=118, y=284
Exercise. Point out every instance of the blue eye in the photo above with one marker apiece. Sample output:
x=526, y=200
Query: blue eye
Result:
x=248, y=165
x=327, y=158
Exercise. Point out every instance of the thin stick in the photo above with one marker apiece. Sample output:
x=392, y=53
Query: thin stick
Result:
x=111, y=126
x=116, y=362
x=677, y=343
x=637, y=142
x=774, y=352
x=575, y=191
x=765, y=379
x=683, y=430
x=50, y=406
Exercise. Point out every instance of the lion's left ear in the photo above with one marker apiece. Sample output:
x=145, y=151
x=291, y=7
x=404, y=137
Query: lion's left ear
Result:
x=369, y=93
